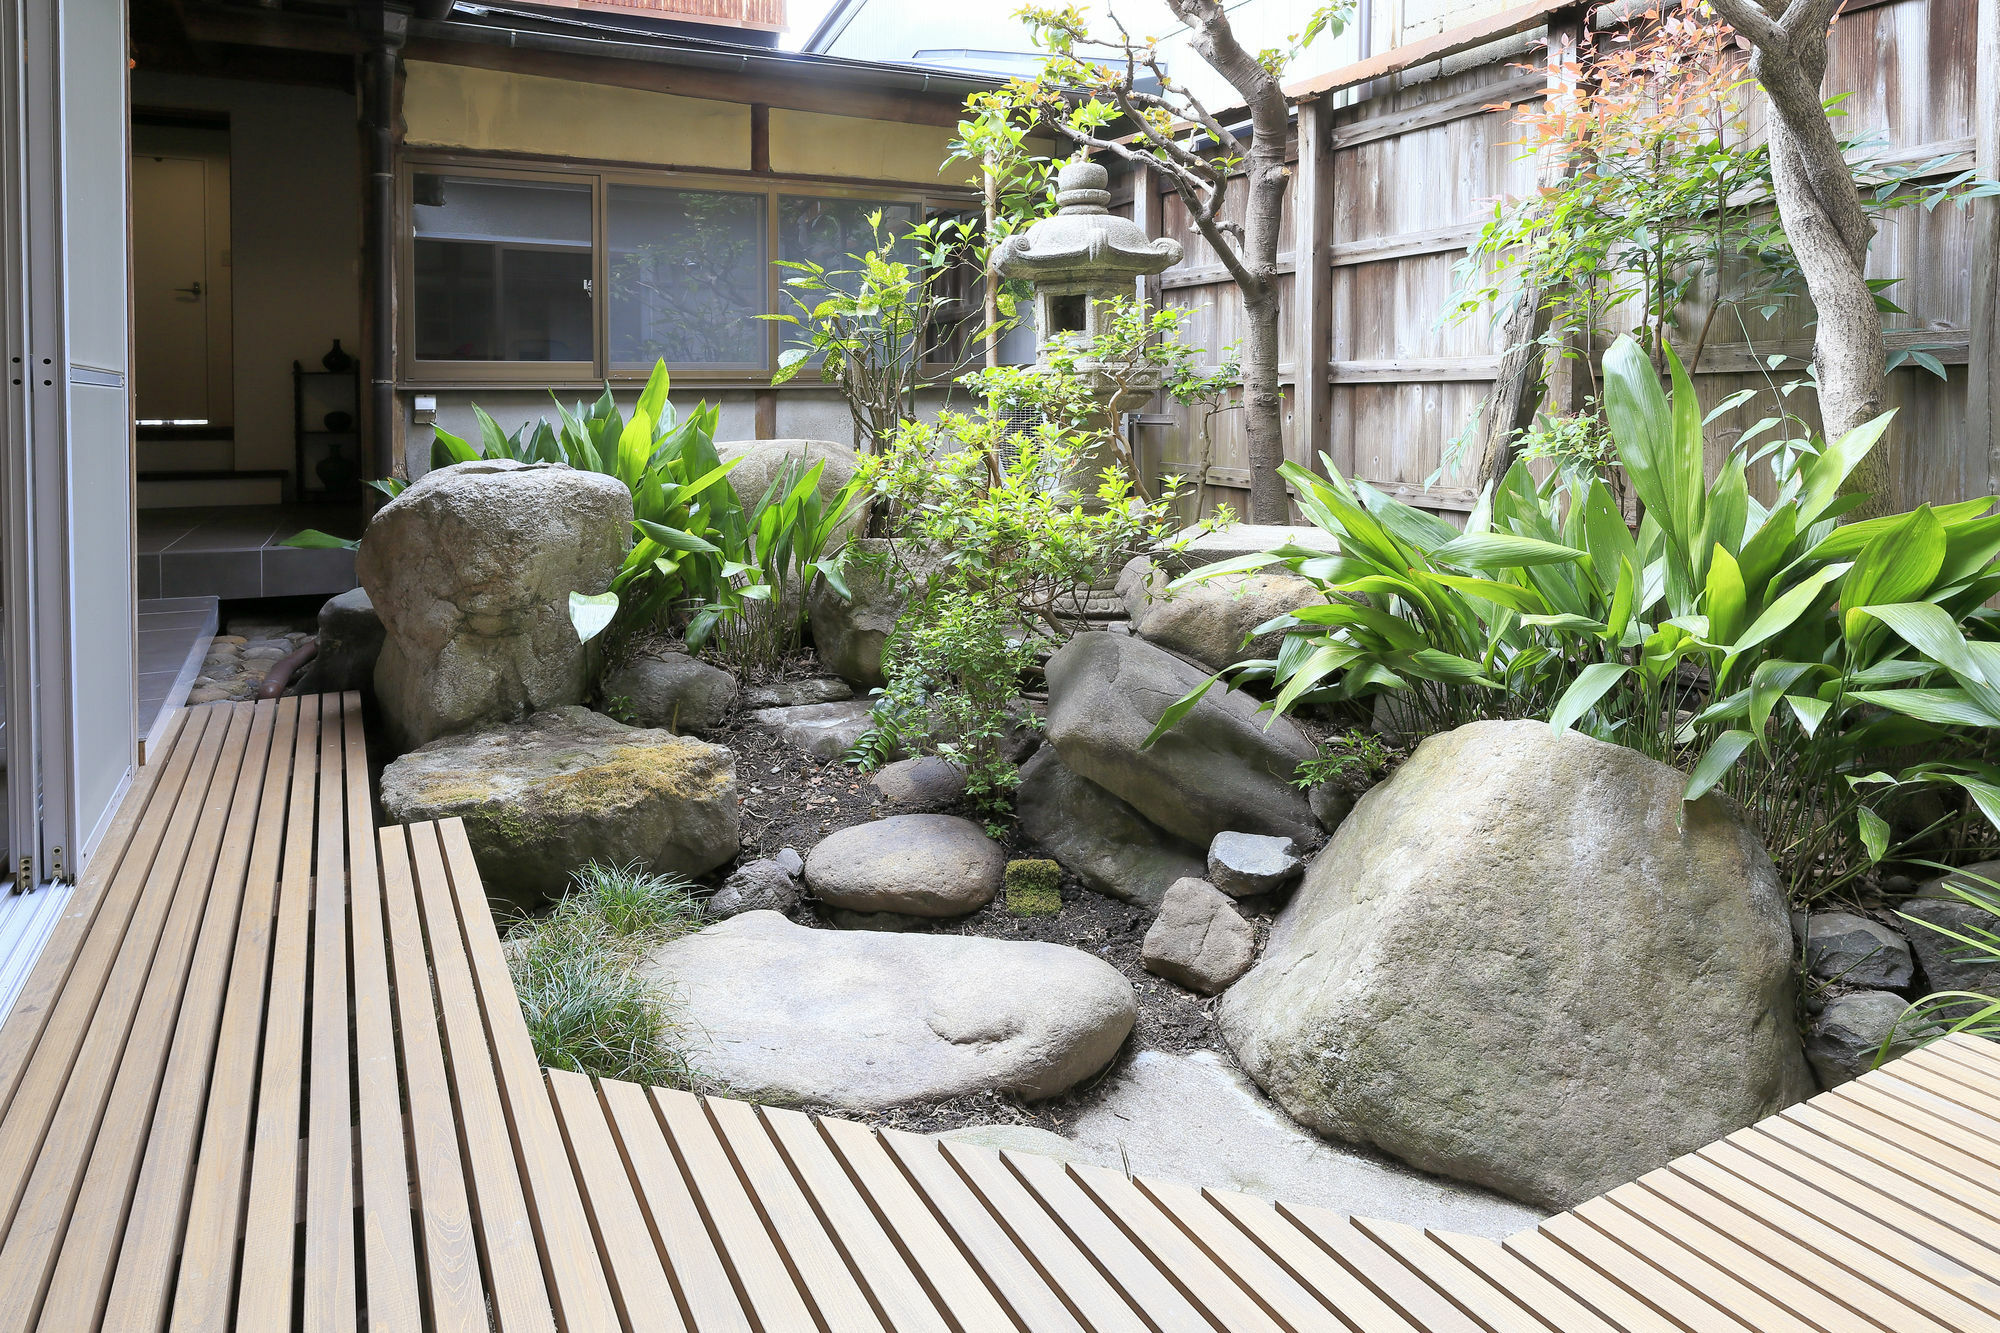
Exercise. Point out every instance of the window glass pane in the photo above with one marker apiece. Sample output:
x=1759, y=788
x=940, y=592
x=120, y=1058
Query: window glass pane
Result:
x=827, y=231
x=503, y=269
x=688, y=277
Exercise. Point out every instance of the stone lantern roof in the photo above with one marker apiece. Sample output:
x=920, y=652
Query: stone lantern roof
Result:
x=1082, y=242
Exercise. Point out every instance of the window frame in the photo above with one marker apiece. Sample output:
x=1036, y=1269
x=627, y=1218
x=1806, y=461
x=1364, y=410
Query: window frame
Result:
x=413, y=373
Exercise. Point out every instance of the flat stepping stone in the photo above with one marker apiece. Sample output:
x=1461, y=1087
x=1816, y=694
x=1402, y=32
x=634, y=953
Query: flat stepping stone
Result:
x=866, y=1020
x=824, y=731
x=913, y=865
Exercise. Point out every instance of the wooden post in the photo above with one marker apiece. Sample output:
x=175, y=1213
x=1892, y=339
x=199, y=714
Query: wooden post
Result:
x=1518, y=390
x=1982, y=408
x=1312, y=290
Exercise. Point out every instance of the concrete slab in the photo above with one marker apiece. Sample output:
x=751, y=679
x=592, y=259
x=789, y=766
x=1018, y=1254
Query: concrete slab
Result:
x=1197, y=1119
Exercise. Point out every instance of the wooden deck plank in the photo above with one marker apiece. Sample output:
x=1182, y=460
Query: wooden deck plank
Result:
x=388, y=1244
x=1946, y=1100
x=1411, y=1297
x=899, y=1291
x=455, y=1296
x=1699, y=1273
x=1852, y=1241
x=511, y=1258
x=112, y=881
x=1936, y=1163
x=1775, y=1167
x=1309, y=1263
x=328, y=1300
x=768, y=1286
x=1556, y=1309
x=1462, y=1285
x=1289, y=1301
x=1823, y=1295
x=934, y=1253
x=570, y=1260
x=207, y=1241
x=264, y=1290
x=1875, y=1100
x=110, y=948
x=709, y=1300
x=1091, y=1293
x=157, y=947
x=1936, y=1192
x=161, y=1201
x=1205, y=1284
x=1585, y=1283
x=1135, y=1273
x=638, y=1280
x=815, y=1261
x=177, y=1015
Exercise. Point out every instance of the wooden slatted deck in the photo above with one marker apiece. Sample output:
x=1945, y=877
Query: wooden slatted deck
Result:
x=270, y=1074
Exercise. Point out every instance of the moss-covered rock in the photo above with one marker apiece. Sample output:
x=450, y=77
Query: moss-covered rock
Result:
x=542, y=797
x=1034, y=888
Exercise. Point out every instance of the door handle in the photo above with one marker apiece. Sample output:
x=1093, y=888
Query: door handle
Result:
x=194, y=291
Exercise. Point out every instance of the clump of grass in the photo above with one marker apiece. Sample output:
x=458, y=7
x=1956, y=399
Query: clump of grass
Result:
x=632, y=904
x=1033, y=888
x=576, y=971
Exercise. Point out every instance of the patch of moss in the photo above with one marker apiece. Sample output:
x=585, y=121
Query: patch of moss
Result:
x=1033, y=888
x=632, y=774
x=445, y=792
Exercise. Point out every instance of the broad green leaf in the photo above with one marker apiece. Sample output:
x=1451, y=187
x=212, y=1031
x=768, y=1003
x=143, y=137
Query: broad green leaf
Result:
x=1874, y=832
x=653, y=398
x=447, y=449
x=1954, y=708
x=312, y=539
x=1721, y=756
x=1726, y=601
x=1500, y=550
x=1590, y=685
x=677, y=539
x=1809, y=711
x=1896, y=567
x=1779, y=616
x=1323, y=662
x=1177, y=710
x=1825, y=473
x=591, y=615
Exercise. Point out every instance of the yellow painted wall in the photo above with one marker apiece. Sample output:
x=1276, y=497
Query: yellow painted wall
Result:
x=810, y=144
x=460, y=106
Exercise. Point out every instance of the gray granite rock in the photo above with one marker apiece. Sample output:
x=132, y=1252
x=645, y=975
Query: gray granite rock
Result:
x=674, y=691
x=1212, y=622
x=757, y=886
x=545, y=796
x=794, y=693
x=916, y=865
x=1856, y=951
x=1948, y=963
x=1242, y=864
x=1097, y=837
x=864, y=1020
x=824, y=731
x=1199, y=940
x=1843, y=1041
x=1525, y=961
x=926, y=783
x=794, y=864
x=350, y=639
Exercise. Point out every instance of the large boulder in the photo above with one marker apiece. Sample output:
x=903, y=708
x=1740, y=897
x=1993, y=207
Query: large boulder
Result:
x=764, y=461
x=913, y=865
x=672, y=690
x=1948, y=963
x=1524, y=961
x=865, y=1020
x=1224, y=766
x=543, y=797
x=1103, y=841
x=350, y=639
x=848, y=632
x=1212, y=621
x=471, y=570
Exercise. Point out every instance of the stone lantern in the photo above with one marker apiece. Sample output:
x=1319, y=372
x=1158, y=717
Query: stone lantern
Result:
x=1078, y=260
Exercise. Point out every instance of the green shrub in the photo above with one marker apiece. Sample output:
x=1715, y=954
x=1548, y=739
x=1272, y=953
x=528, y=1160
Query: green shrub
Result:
x=1791, y=662
x=1943, y=1012
x=576, y=974
x=1034, y=888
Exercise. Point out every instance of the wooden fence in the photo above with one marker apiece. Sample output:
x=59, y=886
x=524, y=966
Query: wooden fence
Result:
x=1389, y=190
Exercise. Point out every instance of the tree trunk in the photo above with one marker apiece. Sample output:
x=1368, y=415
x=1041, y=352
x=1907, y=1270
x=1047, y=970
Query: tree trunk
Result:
x=1266, y=177
x=1263, y=412
x=1823, y=218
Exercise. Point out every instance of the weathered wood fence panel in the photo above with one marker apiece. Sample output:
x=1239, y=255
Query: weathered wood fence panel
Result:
x=1411, y=172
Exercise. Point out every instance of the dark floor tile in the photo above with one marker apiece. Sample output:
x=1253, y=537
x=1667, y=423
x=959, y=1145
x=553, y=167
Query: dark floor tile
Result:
x=225, y=574
x=148, y=581
x=298, y=572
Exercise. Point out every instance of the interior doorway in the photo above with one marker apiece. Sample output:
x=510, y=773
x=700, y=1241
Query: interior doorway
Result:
x=183, y=378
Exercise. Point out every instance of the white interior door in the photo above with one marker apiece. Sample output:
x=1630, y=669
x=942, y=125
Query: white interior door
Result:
x=172, y=292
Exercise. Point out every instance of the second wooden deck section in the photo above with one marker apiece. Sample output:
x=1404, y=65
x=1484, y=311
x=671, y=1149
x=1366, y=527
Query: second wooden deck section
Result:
x=271, y=1074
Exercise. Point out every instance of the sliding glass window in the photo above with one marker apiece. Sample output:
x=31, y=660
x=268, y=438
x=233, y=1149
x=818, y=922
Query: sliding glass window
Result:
x=688, y=278
x=502, y=270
